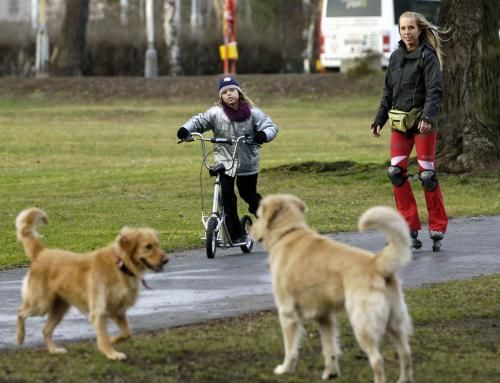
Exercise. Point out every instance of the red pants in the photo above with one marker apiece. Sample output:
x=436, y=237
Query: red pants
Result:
x=425, y=145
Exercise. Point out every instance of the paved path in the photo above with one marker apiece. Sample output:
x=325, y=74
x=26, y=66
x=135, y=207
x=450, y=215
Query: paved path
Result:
x=194, y=288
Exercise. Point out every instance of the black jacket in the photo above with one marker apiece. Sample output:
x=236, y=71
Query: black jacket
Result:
x=412, y=80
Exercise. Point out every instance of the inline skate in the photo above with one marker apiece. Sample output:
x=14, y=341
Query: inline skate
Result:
x=436, y=237
x=415, y=242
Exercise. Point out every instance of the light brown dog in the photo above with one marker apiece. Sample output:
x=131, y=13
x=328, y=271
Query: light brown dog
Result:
x=102, y=284
x=314, y=277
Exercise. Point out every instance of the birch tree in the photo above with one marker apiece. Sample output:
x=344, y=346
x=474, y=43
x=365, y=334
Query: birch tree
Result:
x=196, y=23
x=171, y=26
x=310, y=11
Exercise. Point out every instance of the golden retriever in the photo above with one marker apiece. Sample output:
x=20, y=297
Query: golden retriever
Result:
x=102, y=284
x=313, y=277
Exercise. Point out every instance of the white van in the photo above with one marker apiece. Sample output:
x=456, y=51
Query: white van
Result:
x=351, y=28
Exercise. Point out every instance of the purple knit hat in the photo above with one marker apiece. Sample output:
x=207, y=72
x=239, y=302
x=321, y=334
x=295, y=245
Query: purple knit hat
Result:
x=228, y=82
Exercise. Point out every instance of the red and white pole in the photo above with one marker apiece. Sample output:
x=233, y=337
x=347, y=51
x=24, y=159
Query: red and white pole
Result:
x=229, y=32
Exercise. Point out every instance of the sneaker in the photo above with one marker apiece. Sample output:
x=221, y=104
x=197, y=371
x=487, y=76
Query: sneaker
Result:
x=415, y=242
x=436, y=235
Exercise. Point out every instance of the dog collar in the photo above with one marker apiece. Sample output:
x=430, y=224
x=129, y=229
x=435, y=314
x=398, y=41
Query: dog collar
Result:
x=288, y=232
x=125, y=270
x=291, y=230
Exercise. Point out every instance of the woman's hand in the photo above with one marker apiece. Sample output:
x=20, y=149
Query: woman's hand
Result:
x=376, y=130
x=424, y=127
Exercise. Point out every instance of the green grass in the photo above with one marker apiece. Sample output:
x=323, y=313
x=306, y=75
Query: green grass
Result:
x=95, y=167
x=456, y=340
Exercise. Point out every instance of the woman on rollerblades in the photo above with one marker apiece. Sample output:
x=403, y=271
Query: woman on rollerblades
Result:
x=410, y=103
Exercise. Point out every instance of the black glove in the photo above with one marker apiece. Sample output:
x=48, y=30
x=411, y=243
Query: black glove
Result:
x=260, y=137
x=182, y=133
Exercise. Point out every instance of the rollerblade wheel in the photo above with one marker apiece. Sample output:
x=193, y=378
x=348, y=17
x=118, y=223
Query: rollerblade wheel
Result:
x=436, y=237
x=436, y=245
x=416, y=244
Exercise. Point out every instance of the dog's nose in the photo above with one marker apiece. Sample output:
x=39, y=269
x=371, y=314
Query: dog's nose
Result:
x=165, y=259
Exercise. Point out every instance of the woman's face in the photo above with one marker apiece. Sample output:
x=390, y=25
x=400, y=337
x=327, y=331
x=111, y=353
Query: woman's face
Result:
x=231, y=97
x=409, y=32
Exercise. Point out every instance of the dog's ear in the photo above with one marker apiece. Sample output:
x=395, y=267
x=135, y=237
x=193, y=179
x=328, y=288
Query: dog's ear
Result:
x=299, y=204
x=271, y=211
x=127, y=239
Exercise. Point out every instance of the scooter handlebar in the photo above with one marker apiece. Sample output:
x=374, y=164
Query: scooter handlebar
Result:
x=217, y=140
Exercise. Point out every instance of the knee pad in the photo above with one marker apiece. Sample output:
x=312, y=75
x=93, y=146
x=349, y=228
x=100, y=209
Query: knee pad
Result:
x=396, y=175
x=429, y=180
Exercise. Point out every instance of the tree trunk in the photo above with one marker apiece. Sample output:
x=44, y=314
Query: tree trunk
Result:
x=171, y=26
x=69, y=52
x=218, y=6
x=196, y=22
x=311, y=9
x=469, y=124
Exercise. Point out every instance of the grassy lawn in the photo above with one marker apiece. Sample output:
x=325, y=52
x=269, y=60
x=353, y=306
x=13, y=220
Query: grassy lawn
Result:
x=95, y=167
x=456, y=340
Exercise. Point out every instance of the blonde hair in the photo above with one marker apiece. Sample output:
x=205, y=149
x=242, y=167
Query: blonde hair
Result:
x=431, y=33
x=243, y=97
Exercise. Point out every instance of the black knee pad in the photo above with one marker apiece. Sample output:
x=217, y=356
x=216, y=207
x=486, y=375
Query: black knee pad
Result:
x=397, y=175
x=429, y=180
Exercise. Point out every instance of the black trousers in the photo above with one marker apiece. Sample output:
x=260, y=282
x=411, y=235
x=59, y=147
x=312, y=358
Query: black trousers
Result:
x=247, y=188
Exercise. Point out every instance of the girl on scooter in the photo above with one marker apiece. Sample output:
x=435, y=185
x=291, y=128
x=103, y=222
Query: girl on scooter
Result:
x=233, y=116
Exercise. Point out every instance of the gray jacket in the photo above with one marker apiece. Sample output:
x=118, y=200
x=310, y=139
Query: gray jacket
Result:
x=247, y=158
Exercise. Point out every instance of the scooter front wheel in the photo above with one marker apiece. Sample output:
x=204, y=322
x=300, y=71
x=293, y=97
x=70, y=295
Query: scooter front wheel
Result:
x=211, y=237
x=246, y=224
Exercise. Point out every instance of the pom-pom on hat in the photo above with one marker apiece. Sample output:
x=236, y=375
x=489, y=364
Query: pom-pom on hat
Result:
x=228, y=82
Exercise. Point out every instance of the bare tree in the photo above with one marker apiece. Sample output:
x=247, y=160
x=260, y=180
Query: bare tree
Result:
x=469, y=126
x=311, y=9
x=246, y=7
x=218, y=7
x=196, y=20
x=124, y=12
x=171, y=26
x=68, y=54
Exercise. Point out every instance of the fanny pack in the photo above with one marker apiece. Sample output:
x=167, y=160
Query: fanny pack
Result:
x=404, y=121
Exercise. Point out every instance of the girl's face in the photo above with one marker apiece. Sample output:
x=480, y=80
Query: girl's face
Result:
x=409, y=32
x=231, y=97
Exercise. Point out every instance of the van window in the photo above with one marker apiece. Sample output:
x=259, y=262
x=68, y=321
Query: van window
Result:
x=428, y=8
x=353, y=8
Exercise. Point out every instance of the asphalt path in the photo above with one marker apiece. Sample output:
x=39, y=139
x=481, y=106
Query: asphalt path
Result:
x=194, y=289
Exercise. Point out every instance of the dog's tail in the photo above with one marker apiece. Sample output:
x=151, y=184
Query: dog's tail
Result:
x=26, y=224
x=398, y=251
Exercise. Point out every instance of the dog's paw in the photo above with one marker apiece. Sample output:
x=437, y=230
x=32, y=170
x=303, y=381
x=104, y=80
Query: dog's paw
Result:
x=281, y=369
x=118, y=338
x=327, y=374
x=20, y=339
x=58, y=350
x=115, y=355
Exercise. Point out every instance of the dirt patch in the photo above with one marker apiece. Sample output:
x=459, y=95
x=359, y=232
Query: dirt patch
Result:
x=315, y=86
x=341, y=167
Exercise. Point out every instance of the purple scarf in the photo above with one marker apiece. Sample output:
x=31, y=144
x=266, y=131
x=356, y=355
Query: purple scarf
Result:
x=242, y=114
